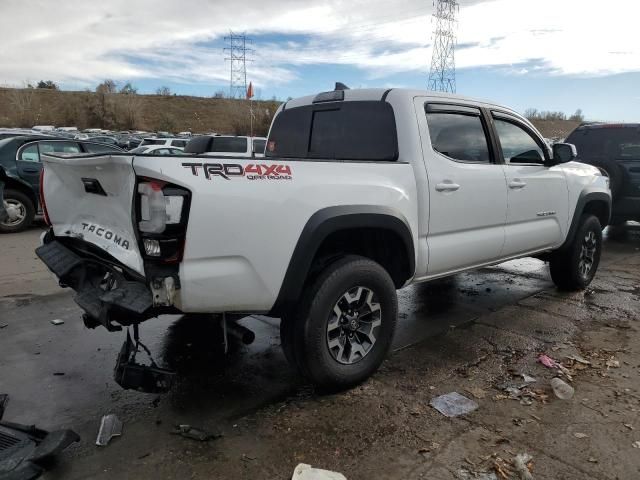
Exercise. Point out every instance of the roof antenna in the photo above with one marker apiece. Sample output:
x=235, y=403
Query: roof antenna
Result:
x=341, y=86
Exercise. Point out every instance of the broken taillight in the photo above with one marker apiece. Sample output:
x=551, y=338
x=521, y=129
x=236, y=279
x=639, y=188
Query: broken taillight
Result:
x=162, y=210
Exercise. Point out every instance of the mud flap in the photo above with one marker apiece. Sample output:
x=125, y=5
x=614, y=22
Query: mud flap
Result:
x=134, y=376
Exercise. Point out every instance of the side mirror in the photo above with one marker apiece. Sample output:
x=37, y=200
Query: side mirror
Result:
x=563, y=153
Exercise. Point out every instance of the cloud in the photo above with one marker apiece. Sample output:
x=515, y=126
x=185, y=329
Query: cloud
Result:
x=81, y=42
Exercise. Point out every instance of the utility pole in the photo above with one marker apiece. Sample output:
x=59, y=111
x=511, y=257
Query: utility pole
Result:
x=238, y=53
x=442, y=76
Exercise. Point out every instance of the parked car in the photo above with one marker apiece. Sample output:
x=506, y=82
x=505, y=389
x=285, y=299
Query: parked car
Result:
x=226, y=145
x=43, y=128
x=105, y=139
x=158, y=150
x=615, y=149
x=168, y=142
x=360, y=193
x=20, y=157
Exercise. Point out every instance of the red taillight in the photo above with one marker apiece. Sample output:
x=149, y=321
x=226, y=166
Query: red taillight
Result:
x=44, y=205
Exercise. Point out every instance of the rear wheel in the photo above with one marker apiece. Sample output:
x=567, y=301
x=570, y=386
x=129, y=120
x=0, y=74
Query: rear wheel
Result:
x=19, y=212
x=344, y=324
x=575, y=267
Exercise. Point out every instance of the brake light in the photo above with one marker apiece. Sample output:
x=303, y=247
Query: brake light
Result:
x=45, y=214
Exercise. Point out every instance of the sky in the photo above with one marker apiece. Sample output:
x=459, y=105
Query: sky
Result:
x=545, y=54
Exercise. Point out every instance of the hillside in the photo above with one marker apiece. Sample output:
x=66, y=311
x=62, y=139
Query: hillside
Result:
x=28, y=107
x=555, y=129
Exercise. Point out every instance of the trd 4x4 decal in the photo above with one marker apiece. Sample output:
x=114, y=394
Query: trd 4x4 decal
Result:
x=253, y=171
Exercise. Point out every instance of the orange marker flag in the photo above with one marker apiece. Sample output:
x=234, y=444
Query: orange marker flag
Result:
x=250, y=91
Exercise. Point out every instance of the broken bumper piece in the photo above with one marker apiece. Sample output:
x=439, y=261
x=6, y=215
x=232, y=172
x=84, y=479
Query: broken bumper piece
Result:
x=102, y=291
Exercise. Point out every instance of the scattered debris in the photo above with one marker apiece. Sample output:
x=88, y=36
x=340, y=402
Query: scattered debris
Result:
x=57, y=321
x=561, y=389
x=247, y=458
x=110, y=427
x=636, y=444
x=612, y=363
x=628, y=425
x=523, y=463
x=580, y=435
x=3, y=325
x=549, y=362
x=579, y=359
x=187, y=431
x=58, y=374
x=528, y=378
x=477, y=392
x=307, y=472
x=464, y=474
x=593, y=460
x=453, y=404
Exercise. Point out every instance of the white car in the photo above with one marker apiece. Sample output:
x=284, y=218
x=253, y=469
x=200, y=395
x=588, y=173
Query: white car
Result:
x=227, y=146
x=361, y=193
x=158, y=150
x=167, y=142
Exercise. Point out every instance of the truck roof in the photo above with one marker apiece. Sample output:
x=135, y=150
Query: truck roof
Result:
x=363, y=94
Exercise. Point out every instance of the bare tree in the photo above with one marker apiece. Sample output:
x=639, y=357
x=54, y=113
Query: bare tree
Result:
x=128, y=89
x=108, y=86
x=164, y=91
x=48, y=85
x=578, y=116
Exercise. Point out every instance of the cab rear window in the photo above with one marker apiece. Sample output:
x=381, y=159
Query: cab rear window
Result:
x=621, y=143
x=337, y=131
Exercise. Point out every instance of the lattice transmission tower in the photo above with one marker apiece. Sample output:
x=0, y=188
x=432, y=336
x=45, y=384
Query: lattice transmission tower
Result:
x=238, y=55
x=442, y=76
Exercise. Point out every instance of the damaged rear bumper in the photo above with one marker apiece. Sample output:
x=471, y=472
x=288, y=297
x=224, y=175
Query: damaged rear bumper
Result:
x=107, y=294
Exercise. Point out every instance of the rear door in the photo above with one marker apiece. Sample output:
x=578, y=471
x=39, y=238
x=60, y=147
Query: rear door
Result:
x=467, y=188
x=538, y=195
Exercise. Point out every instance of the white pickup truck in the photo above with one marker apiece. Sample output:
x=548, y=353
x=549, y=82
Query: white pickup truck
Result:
x=361, y=193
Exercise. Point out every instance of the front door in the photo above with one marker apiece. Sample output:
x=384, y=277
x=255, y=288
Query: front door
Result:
x=467, y=188
x=538, y=195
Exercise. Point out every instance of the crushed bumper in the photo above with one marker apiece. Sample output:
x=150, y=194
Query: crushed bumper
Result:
x=102, y=291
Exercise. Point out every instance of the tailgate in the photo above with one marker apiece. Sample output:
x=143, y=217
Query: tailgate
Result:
x=91, y=198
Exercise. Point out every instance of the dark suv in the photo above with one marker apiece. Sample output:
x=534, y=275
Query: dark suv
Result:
x=615, y=149
x=20, y=162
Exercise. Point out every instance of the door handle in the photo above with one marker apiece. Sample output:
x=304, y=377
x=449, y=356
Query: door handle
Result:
x=447, y=187
x=515, y=184
x=31, y=170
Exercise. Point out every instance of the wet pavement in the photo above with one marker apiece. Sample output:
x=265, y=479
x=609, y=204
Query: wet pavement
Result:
x=62, y=376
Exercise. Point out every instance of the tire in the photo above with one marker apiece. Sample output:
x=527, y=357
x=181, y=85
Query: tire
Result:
x=338, y=352
x=27, y=211
x=574, y=267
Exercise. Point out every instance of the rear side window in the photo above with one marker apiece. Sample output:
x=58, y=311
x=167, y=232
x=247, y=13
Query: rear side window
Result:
x=341, y=131
x=178, y=143
x=229, y=144
x=459, y=136
x=621, y=143
x=59, y=147
x=30, y=153
x=259, y=145
x=152, y=141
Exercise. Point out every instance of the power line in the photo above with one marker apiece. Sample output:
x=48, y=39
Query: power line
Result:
x=238, y=53
x=442, y=76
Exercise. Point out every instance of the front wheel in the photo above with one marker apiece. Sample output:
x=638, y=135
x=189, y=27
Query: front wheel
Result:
x=344, y=324
x=575, y=267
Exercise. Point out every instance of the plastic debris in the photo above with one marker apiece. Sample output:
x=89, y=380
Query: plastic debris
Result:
x=477, y=392
x=3, y=325
x=110, y=427
x=523, y=463
x=580, y=435
x=578, y=359
x=628, y=425
x=187, y=431
x=636, y=444
x=528, y=378
x=561, y=389
x=57, y=321
x=549, y=362
x=453, y=404
x=307, y=472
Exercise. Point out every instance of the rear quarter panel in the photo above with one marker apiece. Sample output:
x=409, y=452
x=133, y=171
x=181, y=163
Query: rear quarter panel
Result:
x=242, y=230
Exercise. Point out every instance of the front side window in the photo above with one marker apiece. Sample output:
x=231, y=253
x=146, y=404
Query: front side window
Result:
x=178, y=143
x=518, y=146
x=459, y=136
x=30, y=153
